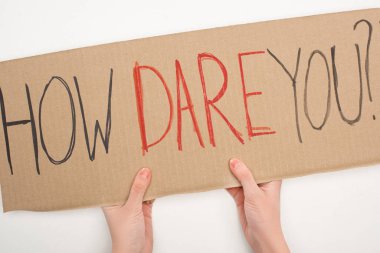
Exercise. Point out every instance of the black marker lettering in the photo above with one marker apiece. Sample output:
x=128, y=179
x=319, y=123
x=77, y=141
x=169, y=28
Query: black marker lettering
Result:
x=105, y=138
x=294, y=86
x=335, y=75
x=72, y=141
x=367, y=54
x=317, y=52
x=7, y=124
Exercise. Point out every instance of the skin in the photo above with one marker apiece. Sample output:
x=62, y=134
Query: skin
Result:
x=130, y=225
x=258, y=206
x=259, y=210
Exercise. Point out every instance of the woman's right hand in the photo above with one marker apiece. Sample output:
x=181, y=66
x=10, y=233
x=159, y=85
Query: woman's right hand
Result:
x=259, y=210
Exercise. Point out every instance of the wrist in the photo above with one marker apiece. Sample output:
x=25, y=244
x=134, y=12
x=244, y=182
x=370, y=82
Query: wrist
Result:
x=121, y=248
x=269, y=243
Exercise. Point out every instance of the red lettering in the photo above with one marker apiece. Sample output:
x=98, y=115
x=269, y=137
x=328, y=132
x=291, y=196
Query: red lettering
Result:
x=140, y=104
x=251, y=133
x=211, y=102
x=190, y=107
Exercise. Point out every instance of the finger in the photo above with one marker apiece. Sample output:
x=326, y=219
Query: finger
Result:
x=147, y=208
x=273, y=187
x=238, y=195
x=151, y=201
x=139, y=187
x=244, y=175
x=147, y=211
x=233, y=191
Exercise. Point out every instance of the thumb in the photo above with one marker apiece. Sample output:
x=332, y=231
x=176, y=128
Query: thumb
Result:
x=244, y=175
x=139, y=187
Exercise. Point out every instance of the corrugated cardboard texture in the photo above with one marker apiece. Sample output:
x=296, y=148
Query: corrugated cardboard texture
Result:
x=289, y=97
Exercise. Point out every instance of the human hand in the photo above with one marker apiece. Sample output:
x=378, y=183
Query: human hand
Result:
x=131, y=224
x=259, y=210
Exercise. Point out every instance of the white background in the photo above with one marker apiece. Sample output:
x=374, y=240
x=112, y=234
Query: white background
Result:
x=333, y=212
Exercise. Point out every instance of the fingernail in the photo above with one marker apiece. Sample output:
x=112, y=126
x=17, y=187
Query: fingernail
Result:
x=234, y=163
x=144, y=173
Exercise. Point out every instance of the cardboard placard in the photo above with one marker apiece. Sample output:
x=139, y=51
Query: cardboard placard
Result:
x=288, y=97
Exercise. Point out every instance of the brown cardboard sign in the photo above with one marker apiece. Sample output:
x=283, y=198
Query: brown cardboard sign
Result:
x=289, y=97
